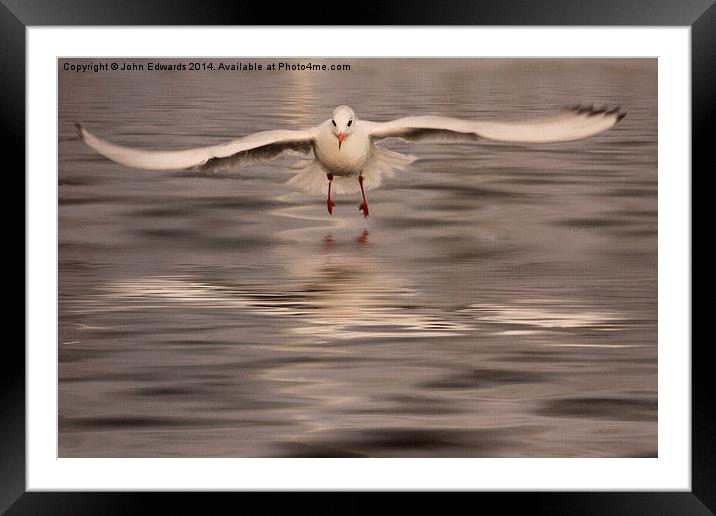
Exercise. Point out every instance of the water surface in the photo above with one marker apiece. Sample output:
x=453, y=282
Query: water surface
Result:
x=500, y=301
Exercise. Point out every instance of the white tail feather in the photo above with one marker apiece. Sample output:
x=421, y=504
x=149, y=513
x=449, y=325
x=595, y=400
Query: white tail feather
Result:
x=384, y=163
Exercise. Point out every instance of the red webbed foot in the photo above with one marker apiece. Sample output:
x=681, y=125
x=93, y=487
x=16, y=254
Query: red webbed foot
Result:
x=364, y=208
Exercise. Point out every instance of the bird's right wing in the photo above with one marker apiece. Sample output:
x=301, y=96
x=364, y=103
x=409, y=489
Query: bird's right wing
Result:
x=571, y=124
x=258, y=146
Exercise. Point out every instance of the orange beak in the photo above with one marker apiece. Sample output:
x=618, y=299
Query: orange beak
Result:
x=340, y=140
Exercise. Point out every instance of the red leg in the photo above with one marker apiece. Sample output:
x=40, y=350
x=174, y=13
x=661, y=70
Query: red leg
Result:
x=331, y=204
x=364, y=205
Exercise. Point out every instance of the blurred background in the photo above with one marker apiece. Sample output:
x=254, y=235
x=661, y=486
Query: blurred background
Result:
x=500, y=301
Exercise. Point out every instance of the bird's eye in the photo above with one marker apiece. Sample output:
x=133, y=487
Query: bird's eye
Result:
x=350, y=122
x=334, y=123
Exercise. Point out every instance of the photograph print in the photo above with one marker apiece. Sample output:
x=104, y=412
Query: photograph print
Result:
x=304, y=257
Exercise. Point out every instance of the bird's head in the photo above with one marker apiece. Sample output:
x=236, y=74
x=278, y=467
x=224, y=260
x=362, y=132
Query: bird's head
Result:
x=343, y=122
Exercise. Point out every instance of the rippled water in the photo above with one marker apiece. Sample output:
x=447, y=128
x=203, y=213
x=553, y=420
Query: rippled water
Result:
x=500, y=300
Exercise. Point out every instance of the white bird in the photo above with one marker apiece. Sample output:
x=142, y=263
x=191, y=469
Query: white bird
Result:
x=345, y=150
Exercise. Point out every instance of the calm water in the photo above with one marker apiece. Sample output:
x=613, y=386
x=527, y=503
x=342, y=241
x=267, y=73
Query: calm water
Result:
x=500, y=300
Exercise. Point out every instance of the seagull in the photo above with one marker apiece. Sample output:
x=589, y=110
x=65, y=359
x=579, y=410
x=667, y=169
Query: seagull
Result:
x=345, y=155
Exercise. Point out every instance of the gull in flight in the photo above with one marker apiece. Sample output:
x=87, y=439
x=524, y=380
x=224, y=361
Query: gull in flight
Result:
x=345, y=155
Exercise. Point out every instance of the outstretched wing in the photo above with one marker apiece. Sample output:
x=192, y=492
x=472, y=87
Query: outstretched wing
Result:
x=571, y=123
x=258, y=146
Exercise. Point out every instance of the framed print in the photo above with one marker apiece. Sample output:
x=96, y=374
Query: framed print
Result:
x=385, y=256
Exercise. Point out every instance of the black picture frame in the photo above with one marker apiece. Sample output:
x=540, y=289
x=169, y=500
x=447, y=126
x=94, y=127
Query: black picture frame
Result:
x=17, y=15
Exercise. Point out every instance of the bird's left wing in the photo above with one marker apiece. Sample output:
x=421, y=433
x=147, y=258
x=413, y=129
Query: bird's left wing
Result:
x=258, y=146
x=571, y=123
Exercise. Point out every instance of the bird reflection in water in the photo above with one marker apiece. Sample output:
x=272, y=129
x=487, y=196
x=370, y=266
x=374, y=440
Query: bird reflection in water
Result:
x=335, y=297
x=363, y=238
x=329, y=241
